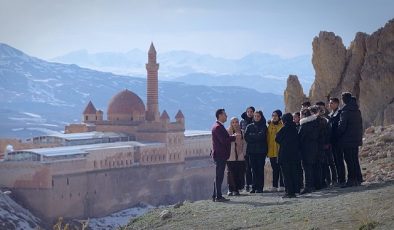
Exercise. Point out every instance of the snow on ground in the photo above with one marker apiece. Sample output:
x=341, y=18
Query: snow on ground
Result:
x=13, y=216
x=32, y=114
x=118, y=218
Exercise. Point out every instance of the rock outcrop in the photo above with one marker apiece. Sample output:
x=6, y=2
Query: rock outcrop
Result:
x=377, y=154
x=377, y=77
x=328, y=59
x=294, y=94
x=366, y=69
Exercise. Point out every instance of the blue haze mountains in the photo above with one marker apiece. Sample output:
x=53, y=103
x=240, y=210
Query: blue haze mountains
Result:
x=262, y=72
x=39, y=97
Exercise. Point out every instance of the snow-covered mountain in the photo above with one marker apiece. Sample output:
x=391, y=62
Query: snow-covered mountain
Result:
x=38, y=97
x=188, y=67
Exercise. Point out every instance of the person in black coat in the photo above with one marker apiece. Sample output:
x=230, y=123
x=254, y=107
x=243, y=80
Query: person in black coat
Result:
x=350, y=132
x=289, y=155
x=296, y=120
x=247, y=118
x=256, y=139
x=336, y=149
x=308, y=136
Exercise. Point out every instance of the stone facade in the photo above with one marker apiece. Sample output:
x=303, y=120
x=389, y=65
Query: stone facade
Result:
x=149, y=159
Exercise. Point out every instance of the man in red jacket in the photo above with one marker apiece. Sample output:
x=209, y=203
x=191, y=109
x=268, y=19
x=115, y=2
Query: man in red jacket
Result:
x=221, y=142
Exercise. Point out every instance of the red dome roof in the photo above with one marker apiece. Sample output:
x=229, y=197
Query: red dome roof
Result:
x=126, y=102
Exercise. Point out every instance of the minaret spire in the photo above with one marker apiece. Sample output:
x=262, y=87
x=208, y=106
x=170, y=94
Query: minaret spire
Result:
x=152, y=67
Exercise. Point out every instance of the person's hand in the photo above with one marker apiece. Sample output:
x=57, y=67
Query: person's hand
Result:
x=238, y=136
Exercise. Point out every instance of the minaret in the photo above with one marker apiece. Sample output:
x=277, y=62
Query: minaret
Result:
x=152, y=105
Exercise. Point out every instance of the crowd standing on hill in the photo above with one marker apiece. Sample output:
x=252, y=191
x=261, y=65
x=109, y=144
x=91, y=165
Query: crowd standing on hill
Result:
x=307, y=150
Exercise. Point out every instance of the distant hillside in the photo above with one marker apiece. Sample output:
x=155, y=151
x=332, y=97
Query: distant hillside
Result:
x=260, y=71
x=38, y=97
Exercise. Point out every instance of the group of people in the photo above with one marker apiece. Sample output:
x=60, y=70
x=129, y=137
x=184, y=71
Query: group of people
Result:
x=307, y=150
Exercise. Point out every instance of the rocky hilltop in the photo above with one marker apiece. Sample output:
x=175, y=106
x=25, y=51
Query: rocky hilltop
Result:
x=365, y=68
x=363, y=207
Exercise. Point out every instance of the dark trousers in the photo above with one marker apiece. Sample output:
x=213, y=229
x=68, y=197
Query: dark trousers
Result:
x=329, y=169
x=291, y=177
x=300, y=175
x=217, y=185
x=354, y=175
x=248, y=171
x=276, y=173
x=235, y=175
x=337, y=152
x=308, y=170
x=317, y=175
x=257, y=165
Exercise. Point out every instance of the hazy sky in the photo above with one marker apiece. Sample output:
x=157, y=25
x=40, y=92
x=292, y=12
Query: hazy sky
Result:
x=228, y=28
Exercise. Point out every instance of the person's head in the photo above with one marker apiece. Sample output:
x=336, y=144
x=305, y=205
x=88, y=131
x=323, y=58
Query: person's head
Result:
x=276, y=115
x=250, y=111
x=305, y=112
x=287, y=119
x=258, y=115
x=346, y=97
x=315, y=109
x=322, y=107
x=234, y=124
x=221, y=115
x=334, y=103
x=305, y=104
x=296, y=117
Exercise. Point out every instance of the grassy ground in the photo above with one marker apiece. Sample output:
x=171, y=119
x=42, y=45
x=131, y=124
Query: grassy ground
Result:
x=364, y=207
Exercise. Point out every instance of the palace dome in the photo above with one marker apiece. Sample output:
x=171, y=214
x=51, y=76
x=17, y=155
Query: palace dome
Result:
x=125, y=104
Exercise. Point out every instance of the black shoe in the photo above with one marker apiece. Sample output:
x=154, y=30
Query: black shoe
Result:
x=259, y=191
x=247, y=188
x=347, y=184
x=289, y=196
x=229, y=194
x=221, y=199
x=252, y=191
x=305, y=191
x=236, y=193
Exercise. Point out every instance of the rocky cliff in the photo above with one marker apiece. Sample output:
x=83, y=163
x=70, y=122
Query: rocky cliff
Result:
x=365, y=68
x=294, y=94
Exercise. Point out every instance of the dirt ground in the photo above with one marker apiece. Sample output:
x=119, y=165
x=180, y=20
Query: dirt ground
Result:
x=364, y=207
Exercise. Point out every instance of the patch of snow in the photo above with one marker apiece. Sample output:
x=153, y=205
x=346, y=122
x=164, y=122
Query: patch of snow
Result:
x=43, y=80
x=32, y=115
x=118, y=219
x=44, y=130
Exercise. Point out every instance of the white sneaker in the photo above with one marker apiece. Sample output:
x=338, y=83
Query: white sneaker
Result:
x=273, y=189
x=281, y=189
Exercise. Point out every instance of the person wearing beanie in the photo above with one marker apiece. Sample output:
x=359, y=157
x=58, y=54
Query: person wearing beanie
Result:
x=289, y=155
x=247, y=118
x=273, y=148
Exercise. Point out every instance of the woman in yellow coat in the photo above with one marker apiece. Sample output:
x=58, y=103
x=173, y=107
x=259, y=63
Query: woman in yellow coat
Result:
x=273, y=148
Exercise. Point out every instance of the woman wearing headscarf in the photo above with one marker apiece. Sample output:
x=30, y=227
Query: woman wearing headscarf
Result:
x=256, y=139
x=289, y=155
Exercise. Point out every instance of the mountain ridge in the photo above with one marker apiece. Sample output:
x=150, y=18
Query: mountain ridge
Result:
x=38, y=97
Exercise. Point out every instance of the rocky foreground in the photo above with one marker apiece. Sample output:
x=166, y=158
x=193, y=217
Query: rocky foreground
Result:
x=364, y=207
